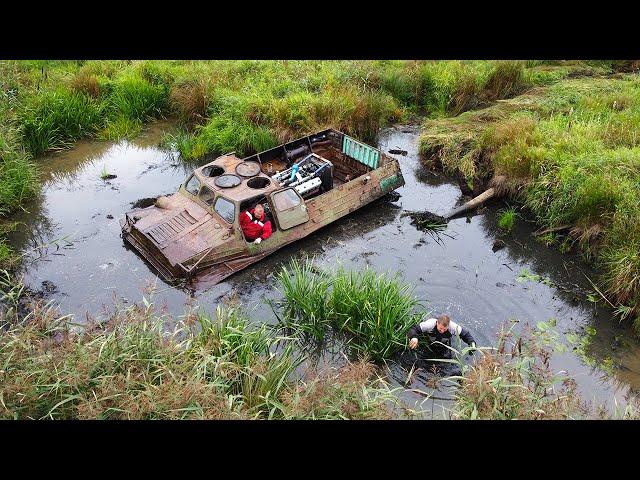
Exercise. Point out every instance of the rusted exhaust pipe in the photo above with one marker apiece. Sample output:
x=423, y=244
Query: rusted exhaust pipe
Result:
x=296, y=152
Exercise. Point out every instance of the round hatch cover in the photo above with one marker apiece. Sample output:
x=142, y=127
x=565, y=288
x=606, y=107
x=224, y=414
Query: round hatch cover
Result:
x=227, y=181
x=248, y=169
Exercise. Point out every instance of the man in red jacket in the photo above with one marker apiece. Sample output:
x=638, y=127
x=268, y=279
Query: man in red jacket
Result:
x=253, y=224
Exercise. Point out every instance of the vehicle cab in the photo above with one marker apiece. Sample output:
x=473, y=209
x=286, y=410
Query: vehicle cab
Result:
x=226, y=196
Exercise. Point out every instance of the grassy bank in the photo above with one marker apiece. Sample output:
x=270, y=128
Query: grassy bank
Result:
x=570, y=153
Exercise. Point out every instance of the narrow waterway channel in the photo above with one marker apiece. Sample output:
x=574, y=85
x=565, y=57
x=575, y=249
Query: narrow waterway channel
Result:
x=74, y=253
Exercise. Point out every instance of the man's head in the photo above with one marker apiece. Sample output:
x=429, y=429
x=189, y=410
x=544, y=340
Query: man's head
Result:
x=442, y=323
x=258, y=210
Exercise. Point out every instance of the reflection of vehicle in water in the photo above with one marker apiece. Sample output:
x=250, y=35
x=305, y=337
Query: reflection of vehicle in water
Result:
x=304, y=185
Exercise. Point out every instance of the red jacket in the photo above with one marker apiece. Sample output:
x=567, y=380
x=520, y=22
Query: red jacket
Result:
x=253, y=227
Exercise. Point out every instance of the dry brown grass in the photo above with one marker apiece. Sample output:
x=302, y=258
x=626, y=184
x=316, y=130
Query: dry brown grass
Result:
x=87, y=83
x=506, y=80
x=516, y=381
x=339, y=393
x=128, y=367
x=189, y=99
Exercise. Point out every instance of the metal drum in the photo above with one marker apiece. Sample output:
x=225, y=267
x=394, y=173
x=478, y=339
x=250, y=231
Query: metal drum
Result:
x=248, y=169
x=227, y=180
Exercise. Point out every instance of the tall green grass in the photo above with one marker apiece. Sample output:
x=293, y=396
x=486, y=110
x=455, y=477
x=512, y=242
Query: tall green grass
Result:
x=374, y=311
x=506, y=219
x=56, y=119
x=18, y=184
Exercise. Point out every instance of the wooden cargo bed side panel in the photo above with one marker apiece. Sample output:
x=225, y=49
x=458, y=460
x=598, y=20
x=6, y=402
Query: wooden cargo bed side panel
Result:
x=347, y=198
x=344, y=168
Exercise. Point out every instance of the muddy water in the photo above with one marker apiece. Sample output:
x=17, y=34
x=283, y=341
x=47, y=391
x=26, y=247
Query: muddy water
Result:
x=72, y=239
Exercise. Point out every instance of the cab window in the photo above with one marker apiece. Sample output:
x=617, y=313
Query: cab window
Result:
x=193, y=185
x=226, y=209
x=207, y=196
x=286, y=199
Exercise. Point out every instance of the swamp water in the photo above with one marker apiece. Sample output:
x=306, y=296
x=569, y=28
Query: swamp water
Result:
x=74, y=252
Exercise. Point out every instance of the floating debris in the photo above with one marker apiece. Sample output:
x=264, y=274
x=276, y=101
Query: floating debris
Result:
x=398, y=152
x=430, y=223
x=498, y=245
x=426, y=220
x=144, y=202
x=48, y=287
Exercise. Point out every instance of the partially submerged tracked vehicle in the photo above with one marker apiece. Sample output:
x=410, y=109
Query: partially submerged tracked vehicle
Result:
x=304, y=185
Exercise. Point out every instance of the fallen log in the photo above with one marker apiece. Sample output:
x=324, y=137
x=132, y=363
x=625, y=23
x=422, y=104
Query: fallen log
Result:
x=473, y=203
x=550, y=230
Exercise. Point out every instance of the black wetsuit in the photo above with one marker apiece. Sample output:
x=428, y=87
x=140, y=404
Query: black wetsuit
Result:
x=429, y=328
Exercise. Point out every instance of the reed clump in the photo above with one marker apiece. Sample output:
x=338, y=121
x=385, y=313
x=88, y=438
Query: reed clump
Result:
x=516, y=381
x=373, y=311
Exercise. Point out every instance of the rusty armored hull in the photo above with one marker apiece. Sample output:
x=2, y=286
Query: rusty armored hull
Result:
x=304, y=185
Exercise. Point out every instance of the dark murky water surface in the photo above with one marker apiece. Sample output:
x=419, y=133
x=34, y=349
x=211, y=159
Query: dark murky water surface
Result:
x=89, y=264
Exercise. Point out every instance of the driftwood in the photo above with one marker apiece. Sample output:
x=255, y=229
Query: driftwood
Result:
x=553, y=229
x=473, y=203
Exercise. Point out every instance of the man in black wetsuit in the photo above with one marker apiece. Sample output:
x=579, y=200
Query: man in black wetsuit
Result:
x=441, y=329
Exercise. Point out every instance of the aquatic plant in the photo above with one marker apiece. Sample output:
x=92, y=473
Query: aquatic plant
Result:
x=104, y=173
x=516, y=381
x=506, y=219
x=373, y=310
x=306, y=290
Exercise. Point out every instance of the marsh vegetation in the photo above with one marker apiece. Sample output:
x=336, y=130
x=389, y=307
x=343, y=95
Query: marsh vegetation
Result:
x=555, y=137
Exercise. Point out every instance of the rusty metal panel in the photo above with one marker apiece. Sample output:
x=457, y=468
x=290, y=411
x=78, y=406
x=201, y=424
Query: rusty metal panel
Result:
x=293, y=216
x=365, y=154
x=166, y=231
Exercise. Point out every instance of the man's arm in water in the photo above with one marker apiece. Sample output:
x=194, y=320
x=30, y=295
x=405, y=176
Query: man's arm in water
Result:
x=416, y=330
x=464, y=333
